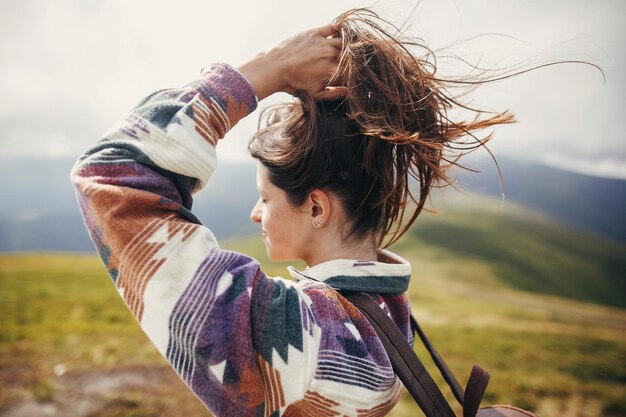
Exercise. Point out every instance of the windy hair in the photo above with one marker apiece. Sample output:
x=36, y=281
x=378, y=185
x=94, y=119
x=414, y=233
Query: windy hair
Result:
x=382, y=147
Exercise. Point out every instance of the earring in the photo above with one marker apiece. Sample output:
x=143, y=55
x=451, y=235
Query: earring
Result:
x=318, y=222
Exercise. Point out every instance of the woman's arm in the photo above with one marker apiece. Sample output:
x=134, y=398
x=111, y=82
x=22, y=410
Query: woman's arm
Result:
x=223, y=325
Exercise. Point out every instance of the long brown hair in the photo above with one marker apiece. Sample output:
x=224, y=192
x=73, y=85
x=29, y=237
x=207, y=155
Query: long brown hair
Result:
x=390, y=128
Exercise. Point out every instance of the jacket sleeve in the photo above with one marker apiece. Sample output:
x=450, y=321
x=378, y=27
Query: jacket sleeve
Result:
x=234, y=335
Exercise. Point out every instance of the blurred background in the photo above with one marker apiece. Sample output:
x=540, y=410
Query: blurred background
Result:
x=529, y=282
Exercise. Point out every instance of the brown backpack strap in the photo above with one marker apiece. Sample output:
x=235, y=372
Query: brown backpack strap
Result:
x=412, y=372
x=405, y=362
x=474, y=391
x=476, y=384
x=441, y=364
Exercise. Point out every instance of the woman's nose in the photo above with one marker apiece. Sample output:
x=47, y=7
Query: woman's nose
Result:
x=255, y=214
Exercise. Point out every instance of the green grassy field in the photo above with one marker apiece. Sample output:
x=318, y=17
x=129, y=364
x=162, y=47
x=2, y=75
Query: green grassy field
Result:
x=67, y=342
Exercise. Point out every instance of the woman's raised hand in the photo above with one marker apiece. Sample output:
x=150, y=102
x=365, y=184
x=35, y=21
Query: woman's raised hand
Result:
x=305, y=62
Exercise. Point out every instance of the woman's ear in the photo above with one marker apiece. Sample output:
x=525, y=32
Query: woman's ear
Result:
x=319, y=207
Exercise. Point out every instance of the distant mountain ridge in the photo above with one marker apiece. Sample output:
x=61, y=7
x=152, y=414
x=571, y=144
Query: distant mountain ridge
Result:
x=592, y=204
x=38, y=209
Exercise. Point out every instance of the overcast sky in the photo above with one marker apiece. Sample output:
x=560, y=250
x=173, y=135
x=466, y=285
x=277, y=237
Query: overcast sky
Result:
x=70, y=69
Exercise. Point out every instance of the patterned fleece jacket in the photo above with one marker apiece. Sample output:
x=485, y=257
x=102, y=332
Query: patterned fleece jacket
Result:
x=246, y=344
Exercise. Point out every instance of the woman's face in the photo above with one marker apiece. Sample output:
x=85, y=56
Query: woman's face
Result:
x=286, y=229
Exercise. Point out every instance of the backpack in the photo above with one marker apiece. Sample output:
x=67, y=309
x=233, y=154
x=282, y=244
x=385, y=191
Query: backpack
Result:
x=416, y=378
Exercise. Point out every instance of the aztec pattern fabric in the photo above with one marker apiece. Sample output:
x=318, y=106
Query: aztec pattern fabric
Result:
x=245, y=343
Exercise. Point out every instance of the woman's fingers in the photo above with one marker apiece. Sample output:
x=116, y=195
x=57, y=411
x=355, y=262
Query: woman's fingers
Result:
x=326, y=30
x=329, y=32
x=310, y=59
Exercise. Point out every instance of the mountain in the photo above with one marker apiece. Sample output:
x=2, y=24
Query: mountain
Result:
x=593, y=204
x=38, y=210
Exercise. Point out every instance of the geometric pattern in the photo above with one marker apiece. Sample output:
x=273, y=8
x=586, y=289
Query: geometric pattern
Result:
x=312, y=405
x=344, y=368
x=246, y=344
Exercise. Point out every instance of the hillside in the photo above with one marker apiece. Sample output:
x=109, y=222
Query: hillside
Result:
x=479, y=240
x=69, y=346
x=526, y=251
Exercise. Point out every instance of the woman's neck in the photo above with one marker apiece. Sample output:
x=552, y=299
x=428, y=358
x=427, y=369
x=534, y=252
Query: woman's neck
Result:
x=363, y=249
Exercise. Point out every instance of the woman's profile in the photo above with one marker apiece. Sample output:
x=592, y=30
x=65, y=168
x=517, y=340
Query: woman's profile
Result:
x=336, y=173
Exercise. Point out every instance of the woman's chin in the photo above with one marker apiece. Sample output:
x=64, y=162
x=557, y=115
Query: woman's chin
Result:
x=276, y=257
x=273, y=256
x=270, y=253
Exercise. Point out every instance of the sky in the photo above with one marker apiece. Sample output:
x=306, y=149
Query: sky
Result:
x=69, y=69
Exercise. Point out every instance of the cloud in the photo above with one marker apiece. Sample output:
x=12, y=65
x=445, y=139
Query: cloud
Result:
x=77, y=66
x=599, y=167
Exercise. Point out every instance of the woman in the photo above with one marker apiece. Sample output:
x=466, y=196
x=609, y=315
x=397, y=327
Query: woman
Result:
x=334, y=176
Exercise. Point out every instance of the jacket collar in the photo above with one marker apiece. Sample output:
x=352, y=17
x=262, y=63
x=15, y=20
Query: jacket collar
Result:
x=390, y=274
